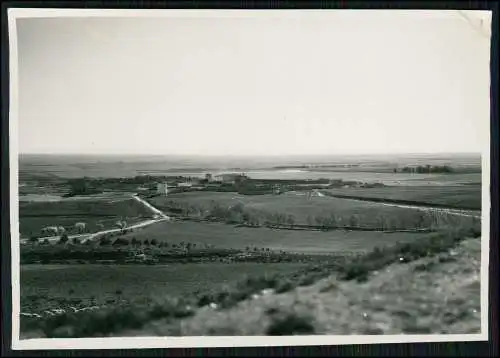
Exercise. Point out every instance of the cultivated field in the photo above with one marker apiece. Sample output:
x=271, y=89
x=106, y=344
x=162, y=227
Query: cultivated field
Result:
x=303, y=210
x=51, y=286
x=463, y=196
x=33, y=216
x=68, y=274
x=449, y=179
x=229, y=236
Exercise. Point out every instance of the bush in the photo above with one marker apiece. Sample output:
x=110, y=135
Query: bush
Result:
x=291, y=324
x=284, y=286
x=64, y=239
x=170, y=308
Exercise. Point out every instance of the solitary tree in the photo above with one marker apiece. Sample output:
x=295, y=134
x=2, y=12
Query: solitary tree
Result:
x=310, y=220
x=353, y=221
x=381, y=222
x=420, y=220
x=64, y=238
x=80, y=227
x=122, y=224
x=119, y=294
x=333, y=220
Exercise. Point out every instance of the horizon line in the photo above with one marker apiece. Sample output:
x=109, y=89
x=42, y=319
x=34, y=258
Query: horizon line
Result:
x=248, y=155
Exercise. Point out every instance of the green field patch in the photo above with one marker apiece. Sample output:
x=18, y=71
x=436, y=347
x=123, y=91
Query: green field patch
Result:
x=229, y=236
x=33, y=216
x=304, y=210
x=458, y=196
x=451, y=179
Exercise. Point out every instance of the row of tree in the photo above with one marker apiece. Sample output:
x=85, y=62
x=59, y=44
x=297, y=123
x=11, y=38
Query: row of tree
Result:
x=238, y=214
x=425, y=169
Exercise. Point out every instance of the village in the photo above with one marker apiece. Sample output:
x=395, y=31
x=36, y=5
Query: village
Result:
x=242, y=183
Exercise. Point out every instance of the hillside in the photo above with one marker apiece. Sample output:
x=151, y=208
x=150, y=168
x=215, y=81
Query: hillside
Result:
x=430, y=286
x=439, y=294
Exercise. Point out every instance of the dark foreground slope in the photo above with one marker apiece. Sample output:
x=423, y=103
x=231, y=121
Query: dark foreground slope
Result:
x=433, y=295
x=427, y=287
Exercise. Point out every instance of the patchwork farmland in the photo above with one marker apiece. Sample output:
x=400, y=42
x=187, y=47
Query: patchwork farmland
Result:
x=218, y=244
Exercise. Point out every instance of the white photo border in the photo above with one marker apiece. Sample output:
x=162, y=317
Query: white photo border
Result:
x=205, y=341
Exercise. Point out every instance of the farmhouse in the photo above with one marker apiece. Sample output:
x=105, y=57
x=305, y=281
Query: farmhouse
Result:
x=162, y=188
x=142, y=258
x=314, y=193
x=188, y=182
x=230, y=178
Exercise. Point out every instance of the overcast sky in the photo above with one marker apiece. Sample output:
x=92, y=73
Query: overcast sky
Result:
x=329, y=82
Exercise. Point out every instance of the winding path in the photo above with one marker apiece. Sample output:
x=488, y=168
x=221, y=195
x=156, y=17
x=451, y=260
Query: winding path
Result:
x=92, y=236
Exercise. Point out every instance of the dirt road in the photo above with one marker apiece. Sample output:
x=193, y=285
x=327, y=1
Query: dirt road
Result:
x=92, y=236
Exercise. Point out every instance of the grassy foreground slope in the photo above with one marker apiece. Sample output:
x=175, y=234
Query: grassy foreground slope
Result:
x=429, y=286
x=432, y=295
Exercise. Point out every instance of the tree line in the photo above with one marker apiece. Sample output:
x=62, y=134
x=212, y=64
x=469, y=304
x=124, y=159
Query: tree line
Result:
x=425, y=169
x=238, y=214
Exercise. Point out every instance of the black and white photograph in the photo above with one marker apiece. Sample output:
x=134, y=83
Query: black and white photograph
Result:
x=196, y=178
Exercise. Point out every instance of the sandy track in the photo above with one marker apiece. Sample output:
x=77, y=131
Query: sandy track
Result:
x=93, y=236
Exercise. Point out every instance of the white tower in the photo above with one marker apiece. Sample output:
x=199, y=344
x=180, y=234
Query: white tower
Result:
x=162, y=189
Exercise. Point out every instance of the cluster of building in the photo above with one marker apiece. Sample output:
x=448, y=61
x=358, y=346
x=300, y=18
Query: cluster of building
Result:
x=198, y=183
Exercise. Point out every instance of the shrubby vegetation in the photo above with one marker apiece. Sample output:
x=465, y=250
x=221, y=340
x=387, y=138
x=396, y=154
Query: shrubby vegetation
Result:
x=123, y=251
